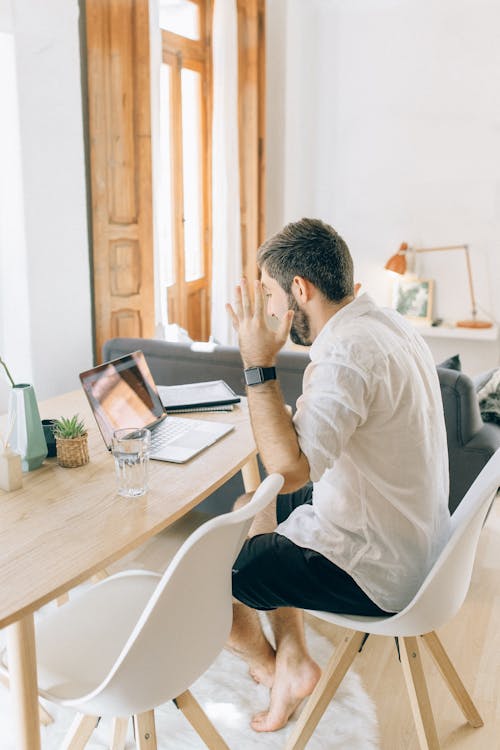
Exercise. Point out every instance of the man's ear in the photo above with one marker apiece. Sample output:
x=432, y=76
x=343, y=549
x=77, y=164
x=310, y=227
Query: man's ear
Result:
x=302, y=289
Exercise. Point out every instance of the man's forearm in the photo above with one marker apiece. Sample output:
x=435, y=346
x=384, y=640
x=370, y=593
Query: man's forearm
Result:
x=275, y=435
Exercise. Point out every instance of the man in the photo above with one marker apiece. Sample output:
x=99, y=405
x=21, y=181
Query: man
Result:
x=368, y=433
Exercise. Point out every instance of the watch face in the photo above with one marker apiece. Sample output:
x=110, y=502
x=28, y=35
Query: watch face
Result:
x=253, y=376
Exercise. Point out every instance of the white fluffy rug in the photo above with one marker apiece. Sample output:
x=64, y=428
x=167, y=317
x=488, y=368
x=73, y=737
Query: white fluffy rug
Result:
x=230, y=698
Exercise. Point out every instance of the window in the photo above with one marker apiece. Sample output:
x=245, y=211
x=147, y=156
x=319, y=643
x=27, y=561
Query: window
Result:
x=184, y=205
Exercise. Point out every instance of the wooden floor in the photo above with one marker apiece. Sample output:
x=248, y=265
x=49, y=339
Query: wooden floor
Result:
x=472, y=640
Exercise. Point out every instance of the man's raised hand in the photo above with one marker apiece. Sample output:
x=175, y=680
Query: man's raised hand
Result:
x=259, y=343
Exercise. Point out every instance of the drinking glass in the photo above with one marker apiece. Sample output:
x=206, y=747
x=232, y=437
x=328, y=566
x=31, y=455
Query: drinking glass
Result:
x=130, y=449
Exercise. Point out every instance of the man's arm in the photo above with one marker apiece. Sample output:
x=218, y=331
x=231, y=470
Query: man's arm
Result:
x=271, y=422
x=275, y=435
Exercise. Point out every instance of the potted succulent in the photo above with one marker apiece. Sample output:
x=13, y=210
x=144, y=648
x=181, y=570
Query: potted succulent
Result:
x=71, y=441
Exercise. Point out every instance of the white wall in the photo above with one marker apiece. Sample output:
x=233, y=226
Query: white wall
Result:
x=389, y=122
x=14, y=294
x=383, y=120
x=54, y=294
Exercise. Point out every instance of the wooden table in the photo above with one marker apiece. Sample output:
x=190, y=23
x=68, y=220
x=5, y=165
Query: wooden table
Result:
x=65, y=525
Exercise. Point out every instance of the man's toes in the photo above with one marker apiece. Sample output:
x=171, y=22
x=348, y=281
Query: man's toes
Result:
x=259, y=721
x=264, y=722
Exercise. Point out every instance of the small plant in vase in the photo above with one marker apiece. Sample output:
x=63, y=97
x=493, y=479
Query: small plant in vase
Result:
x=71, y=441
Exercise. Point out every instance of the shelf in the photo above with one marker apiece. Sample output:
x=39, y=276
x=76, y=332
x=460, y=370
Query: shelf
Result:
x=452, y=332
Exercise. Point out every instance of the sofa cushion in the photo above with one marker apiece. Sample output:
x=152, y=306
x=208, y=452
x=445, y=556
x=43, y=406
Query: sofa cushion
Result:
x=489, y=398
x=452, y=363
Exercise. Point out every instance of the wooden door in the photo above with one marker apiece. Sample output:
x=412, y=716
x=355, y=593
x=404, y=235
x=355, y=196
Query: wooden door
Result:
x=117, y=42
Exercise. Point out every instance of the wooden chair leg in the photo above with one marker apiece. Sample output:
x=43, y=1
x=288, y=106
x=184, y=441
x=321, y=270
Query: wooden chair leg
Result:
x=450, y=676
x=332, y=676
x=79, y=732
x=200, y=721
x=43, y=714
x=419, y=697
x=145, y=731
x=100, y=576
x=119, y=734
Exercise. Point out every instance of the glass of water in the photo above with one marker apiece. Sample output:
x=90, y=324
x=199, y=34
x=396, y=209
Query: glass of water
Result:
x=130, y=449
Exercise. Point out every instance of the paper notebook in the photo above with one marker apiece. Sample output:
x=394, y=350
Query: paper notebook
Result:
x=214, y=407
x=207, y=396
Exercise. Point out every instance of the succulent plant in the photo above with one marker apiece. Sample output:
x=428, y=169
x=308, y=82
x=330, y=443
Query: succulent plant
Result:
x=68, y=428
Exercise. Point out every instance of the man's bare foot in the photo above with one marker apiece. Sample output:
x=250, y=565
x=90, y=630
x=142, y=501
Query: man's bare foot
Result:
x=292, y=683
x=261, y=663
x=263, y=672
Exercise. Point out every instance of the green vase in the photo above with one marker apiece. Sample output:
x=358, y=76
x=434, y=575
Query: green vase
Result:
x=27, y=436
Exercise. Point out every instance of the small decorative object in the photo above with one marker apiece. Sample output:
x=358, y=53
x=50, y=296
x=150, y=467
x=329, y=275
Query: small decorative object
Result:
x=11, y=474
x=413, y=299
x=71, y=442
x=397, y=264
x=27, y=434
x=48, y=431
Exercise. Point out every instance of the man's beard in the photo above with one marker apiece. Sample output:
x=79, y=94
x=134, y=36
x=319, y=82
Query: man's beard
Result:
x=300, y=332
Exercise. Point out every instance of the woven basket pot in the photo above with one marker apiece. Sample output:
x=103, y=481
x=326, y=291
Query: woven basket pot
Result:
x=72, y=452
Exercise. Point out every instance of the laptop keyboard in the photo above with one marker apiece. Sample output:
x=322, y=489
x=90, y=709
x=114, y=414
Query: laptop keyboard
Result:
x=169, y=430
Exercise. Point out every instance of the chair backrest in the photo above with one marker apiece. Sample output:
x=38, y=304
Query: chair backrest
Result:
x=187, y=620
x=445, y=587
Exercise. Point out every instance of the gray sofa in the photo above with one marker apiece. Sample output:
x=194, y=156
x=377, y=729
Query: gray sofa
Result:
x=470, y=441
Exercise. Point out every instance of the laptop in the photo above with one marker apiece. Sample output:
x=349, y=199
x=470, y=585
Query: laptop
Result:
x=122, y=393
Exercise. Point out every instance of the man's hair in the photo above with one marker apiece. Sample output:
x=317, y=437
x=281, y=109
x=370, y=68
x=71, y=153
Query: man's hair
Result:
x=311, y=249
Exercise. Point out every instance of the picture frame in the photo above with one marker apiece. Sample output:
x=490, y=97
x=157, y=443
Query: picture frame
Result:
x=413, y=298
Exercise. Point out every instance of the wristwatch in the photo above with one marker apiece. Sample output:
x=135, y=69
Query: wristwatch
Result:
x=256, y=375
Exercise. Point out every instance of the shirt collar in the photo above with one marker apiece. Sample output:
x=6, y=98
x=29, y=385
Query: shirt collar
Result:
x=359, y=306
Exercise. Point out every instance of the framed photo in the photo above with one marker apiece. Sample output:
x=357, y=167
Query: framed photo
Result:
x=413, y=299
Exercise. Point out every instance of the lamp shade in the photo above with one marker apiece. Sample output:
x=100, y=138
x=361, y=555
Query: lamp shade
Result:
x=397, y=262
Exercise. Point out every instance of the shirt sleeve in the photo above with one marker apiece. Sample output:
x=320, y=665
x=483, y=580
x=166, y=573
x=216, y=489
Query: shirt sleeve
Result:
x=333, y=404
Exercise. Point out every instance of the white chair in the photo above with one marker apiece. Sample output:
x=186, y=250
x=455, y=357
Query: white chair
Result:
x=137, y=639
x=438, y=600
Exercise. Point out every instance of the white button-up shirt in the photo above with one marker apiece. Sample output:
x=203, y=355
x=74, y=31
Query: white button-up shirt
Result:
x=370, y=422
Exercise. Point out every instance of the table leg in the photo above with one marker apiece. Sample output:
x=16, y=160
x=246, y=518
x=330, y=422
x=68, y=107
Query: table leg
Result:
x=250, y=474
x=23, y=682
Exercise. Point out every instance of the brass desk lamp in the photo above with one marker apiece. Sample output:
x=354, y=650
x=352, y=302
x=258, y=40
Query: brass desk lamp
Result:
x=397, y=263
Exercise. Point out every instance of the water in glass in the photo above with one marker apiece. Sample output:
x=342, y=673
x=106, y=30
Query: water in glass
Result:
x=131, y=454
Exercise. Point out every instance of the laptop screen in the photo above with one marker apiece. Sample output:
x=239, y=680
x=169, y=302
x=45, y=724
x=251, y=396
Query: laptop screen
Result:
x=122, y=393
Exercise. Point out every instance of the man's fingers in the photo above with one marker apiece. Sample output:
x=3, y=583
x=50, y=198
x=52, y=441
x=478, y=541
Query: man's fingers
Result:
x=245, y=298
x=259, y=299
x=285, y=325
x=238, y=303
x=233, y=316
